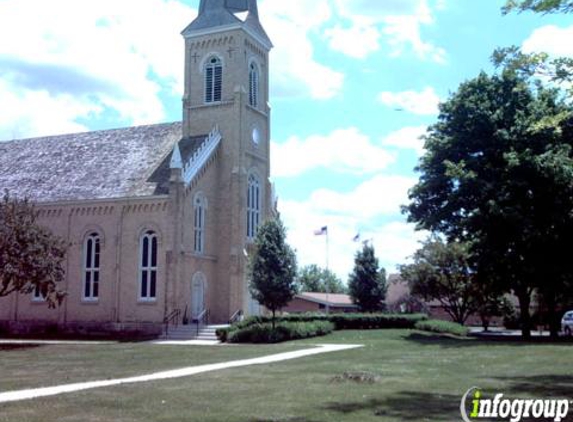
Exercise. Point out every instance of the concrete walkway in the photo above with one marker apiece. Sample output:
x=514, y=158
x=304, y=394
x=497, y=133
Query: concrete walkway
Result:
x=177, y=373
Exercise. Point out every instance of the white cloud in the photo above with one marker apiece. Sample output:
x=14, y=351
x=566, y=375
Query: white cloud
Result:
x=372, y=210
x=34, y=113
x=380, y=196
x=358, y=41
x=551, y=39
x=424, y=102
x=399, y=21
x=407, y=138
x=296, y=72
x=343, y=150
x=65, y=70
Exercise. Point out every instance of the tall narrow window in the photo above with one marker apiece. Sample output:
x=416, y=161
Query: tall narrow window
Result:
x=213, y=80
x=253, y=206
x=199, y=224
x=92, y=247
x=148, y=267
x=253, y=85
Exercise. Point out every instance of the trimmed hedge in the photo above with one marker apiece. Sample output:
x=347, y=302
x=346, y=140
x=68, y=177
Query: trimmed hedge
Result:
x=284, y=331
x=345, y=321
x=442, y=327
x=339, y=321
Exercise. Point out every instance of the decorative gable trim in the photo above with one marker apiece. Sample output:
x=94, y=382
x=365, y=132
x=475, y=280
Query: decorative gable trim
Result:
x=198, y=161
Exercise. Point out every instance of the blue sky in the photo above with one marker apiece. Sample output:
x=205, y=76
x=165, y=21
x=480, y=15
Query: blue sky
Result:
x=354, y=83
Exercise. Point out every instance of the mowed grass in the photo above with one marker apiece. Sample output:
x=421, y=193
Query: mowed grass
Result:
x=34, y=366
x=399, y=375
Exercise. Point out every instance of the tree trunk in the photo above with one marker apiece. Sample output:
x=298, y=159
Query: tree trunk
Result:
x=525, y=317
x=273, y=321
x=552, y=316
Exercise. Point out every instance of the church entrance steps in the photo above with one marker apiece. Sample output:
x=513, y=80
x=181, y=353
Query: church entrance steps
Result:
x=189, y=332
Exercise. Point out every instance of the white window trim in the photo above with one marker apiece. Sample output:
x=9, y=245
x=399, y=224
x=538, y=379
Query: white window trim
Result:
x=150, y=234
x=254, y=84
x=253, y=205
x=91, y=298
x=207, y=65
x=199, y=210
x=37, y=296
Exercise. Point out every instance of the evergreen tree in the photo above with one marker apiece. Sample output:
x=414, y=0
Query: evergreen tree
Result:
x=272, y=268
x=31, y=257
x=367, y=282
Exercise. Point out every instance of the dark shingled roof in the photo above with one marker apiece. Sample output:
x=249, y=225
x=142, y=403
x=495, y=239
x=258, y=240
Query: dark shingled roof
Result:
x=105, y=164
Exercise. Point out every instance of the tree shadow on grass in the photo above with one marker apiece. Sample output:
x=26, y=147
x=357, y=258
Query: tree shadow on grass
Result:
x=17, y=347
x=406, y=406
x=295, y=419
x=449, y=341
x=540, y=386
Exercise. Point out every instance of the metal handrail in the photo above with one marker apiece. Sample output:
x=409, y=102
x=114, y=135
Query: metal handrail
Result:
x=236, y=316
x=173, y=316
x=202, y=319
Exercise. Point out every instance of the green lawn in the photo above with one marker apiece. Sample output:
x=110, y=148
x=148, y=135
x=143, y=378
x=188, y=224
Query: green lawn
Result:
x=407, y=376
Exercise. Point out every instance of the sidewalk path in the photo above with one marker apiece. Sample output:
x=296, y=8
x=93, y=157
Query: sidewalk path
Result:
x=177, y=373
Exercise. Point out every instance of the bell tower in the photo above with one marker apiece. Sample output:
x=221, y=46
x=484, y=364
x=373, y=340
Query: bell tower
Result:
x=227, y=87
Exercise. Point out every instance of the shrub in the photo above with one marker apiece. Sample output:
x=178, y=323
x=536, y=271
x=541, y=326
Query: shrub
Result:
x=284, y=331
x=345, y=321
x=442, y=327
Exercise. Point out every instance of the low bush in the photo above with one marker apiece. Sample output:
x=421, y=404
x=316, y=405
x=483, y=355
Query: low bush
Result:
x=283, y=331
x=344, y=321
x=442, y=327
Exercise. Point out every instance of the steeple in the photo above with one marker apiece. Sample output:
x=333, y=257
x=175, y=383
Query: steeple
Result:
x=228, y=13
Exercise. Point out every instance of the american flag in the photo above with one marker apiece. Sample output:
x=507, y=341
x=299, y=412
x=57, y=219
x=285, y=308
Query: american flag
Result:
x=322, y=231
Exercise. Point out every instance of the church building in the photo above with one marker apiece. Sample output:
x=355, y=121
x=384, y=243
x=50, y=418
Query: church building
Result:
x=159, y=220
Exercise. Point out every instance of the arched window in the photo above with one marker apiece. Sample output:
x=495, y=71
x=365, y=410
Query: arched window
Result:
x=253, y=85
x=37, y=295
x=253, y=206
x=148, y=266
x=199, y=223
x=213, y=80
x=91, y=267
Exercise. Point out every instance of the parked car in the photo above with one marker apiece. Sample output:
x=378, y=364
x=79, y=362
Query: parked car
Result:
x=567, y=323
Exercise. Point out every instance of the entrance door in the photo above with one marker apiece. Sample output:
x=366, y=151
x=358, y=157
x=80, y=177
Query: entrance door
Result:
x=197, y=295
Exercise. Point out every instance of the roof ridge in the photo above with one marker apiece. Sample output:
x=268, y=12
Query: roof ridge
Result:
x=69, y=134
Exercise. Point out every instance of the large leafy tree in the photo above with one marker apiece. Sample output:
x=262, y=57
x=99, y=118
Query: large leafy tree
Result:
x=31, y=257
x=539, y=6
x=367, y=282
x=497, y=174
x=536, y=64
x=272, y=268
x=312, y=278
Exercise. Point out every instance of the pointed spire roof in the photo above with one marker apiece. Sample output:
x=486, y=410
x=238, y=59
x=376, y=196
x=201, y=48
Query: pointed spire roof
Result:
x=222, y=13
x=176, y=161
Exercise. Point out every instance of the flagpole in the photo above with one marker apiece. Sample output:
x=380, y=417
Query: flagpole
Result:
x=326, y=280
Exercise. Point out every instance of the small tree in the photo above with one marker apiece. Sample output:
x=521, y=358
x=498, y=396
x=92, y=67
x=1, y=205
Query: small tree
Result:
x=367, y=282
x=312, y=278
x=443, y=272
x=31, y=257
x=272, y=268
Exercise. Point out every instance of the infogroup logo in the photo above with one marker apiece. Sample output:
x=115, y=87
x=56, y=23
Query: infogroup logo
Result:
x=475, y=406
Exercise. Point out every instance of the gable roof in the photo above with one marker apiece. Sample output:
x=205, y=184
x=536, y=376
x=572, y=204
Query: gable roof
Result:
x=332, y=299
x=106, y=164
